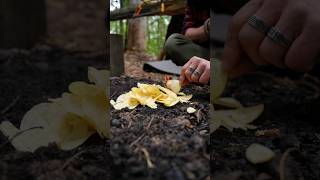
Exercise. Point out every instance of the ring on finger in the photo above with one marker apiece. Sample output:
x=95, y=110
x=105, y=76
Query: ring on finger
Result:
x=258, y=24
x=197, y=73
x=191, y=69
x=279, y=38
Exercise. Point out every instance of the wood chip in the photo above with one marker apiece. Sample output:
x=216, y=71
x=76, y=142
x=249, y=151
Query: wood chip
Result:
x=268, y=133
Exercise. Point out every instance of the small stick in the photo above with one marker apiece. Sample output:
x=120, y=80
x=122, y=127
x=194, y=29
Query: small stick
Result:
x=147, y=156
x=130, y=123
x=6, y=109
x=283, y=162
x=137, y=140
x=149, y=124
x=130, y=119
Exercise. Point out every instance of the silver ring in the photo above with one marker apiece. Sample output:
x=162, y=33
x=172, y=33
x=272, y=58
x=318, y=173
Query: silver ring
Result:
x=196, y=73
x=258, y=24
x=279, y=38
x=191, y=69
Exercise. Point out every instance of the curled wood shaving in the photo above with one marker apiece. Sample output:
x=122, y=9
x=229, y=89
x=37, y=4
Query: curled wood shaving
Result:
x=147, y=156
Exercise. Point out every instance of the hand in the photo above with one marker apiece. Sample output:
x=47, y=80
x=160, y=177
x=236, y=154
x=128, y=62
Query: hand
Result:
x=297, y=20
x=196, y=70
x=200, y=34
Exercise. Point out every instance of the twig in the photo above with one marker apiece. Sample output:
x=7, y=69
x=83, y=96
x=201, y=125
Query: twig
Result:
x=130, y=123
x=147, y=156
x=149, y=124
x=66, y=164
x=137, y=140
x=6, y=109
x=283, y=162
x=130, y=119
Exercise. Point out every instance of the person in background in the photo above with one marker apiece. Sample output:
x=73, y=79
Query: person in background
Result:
x=191, y=48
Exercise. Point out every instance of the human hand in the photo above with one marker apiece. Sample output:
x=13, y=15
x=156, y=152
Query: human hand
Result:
x=196, y=70
x=296, y=22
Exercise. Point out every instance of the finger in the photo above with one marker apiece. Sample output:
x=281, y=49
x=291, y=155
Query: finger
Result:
x=303, y=52
x=183, y=71
x=232, y=52
x=274, y=53
x=193, y=66
x=185, y=67
x=182, y=79
x=251, y=37
x=197, y=73
x=205, y=77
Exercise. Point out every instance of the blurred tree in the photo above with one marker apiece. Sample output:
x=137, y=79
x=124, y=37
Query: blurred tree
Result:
x=137, y=32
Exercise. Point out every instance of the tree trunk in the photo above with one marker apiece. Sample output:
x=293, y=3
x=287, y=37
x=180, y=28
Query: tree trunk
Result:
x=137, y=32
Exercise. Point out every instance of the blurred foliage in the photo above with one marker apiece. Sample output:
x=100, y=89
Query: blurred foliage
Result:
x=156, y=32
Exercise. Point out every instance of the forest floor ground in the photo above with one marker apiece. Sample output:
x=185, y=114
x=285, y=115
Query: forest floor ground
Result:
x=31, y=77
x=291, y=116
x=134, y=61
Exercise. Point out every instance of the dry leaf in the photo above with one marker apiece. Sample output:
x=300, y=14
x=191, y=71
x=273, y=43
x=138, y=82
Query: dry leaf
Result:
x=148, y=95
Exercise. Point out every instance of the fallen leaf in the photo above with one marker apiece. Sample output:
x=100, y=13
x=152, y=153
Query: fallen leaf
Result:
x=148, y=95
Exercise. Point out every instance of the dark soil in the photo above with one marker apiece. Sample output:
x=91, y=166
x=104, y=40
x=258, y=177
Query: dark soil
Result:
x=175, y=140
x=292, y=105
x=31, y=77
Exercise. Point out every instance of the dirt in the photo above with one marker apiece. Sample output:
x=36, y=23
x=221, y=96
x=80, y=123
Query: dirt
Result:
x=175, y=140
x=292, y=108
x=68, y=23
x=31, y=77
x=133, y=62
